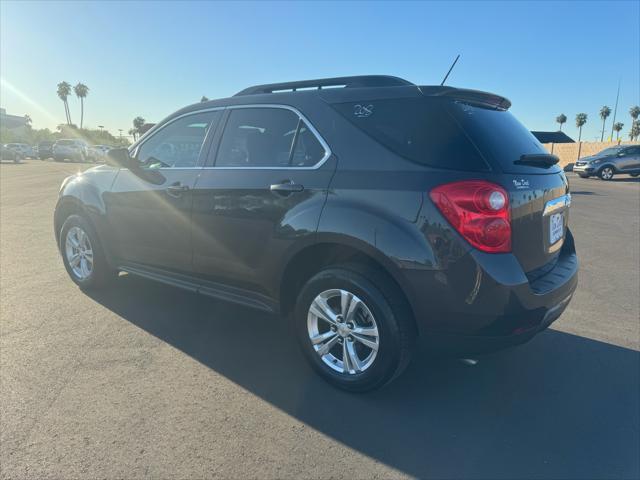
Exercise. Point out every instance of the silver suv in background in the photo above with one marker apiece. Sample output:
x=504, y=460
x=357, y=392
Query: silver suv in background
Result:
x=72, y=149
x=609, y=162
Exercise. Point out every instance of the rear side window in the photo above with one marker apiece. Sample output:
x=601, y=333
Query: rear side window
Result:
x=500, y=137
x=419, y=129
x=268, y=137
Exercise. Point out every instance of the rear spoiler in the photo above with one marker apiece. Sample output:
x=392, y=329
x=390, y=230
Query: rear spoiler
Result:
x=473, y=97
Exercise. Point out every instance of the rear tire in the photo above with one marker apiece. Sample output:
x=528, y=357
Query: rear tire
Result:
x=376, y=334
x=606, y=173
x=82, y=254
x=582, y=175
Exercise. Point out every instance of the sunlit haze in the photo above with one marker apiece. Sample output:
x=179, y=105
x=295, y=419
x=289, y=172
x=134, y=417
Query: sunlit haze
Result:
x=149, y=59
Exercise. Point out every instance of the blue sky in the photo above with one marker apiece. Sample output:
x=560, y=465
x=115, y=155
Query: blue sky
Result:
x=151, y=58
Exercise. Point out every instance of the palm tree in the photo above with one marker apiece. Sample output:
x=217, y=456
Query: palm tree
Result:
x=64, y=90
x=562, y=118
x=138, y=123
x=635, y=131
x=617, y=127
x=27, y=120
x=204, y=99
x=604, y=113
x=133, y=132
x=581, y=119
x=81, y=91
x=635, y=113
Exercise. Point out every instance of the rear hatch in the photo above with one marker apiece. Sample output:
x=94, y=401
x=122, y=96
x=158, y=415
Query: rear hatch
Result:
x=473, y=133
x=538, y=189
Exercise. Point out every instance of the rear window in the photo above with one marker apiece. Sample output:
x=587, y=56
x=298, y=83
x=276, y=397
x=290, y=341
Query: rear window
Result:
x=500, y=137
x=419, y=129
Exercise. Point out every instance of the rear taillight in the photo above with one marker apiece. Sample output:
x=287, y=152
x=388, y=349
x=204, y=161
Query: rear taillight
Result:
x=479, y=211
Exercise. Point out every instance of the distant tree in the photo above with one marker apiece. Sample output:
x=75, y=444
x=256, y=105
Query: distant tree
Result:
x=138, y=123
x=562, y=118
x=581, y=119
x=635, y=113
x=27, y=120
x=81, y=91
x=64, y=90
x=635, y=131
x=604, y=113
x=204, y=99
x=617, y=127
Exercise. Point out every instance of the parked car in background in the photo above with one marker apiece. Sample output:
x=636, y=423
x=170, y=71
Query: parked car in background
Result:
x=97, y=153
x=7, y=153
x=72, y=149
x=609, y=162
x=45, y=149
x=367, y=215
x=25, y=150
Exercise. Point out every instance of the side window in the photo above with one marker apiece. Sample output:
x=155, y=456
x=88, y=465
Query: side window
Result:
x=308, y=150
x=178, y=144
x=267, y=137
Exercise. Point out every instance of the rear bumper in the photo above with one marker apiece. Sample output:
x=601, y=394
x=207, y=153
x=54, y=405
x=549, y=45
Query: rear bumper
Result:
x=486, y=302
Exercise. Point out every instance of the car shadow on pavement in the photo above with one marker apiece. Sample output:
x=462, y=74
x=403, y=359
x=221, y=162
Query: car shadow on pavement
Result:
x=562, y=406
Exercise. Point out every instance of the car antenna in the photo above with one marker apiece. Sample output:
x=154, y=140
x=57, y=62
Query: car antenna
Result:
x=452, y=65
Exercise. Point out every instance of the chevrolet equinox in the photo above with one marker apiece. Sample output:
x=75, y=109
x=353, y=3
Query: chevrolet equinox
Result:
x=367, y=210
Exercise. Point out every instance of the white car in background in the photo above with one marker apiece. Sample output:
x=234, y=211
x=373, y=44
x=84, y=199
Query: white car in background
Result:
x=97, y=153
x=72, y=149
x=22, y=148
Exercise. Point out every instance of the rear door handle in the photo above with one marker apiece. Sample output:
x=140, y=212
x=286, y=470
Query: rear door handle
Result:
x=287, y=187
x=176, y=190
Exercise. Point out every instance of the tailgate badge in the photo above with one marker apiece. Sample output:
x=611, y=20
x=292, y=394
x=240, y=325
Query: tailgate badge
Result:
x=520, y=184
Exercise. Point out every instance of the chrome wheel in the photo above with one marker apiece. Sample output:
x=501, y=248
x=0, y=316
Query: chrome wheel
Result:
x=343, y=331
x=79, y=253
x=607, y=173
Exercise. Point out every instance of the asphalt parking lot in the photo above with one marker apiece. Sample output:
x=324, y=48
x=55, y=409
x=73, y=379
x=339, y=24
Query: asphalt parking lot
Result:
x=148, y=381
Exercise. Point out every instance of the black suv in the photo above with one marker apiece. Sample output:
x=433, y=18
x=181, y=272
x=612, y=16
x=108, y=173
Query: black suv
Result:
x=367, y=210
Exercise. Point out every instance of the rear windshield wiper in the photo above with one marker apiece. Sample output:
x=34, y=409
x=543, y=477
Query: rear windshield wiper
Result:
x=537, y=160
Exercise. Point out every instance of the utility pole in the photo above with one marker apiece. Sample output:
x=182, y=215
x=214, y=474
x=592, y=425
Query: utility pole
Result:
x=615, y=110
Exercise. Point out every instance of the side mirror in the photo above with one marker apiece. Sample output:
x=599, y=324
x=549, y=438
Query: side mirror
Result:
x=119, y=157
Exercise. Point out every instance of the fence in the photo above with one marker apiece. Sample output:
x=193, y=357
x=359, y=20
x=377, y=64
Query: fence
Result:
x=568, y=152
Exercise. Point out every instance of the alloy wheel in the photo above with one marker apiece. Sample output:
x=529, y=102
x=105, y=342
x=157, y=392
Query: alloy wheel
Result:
x=343, y=331
x=79, y=253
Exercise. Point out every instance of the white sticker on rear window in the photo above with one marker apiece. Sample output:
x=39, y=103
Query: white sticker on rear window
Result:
x=363, y=111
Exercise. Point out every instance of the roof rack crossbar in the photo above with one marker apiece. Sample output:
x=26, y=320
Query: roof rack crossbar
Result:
x=346, y=82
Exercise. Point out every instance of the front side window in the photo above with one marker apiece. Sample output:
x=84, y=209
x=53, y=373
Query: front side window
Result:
x=267, y=137
x=178, y=144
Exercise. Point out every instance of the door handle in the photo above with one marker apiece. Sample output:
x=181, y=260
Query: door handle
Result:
x=287, y=187
x=176, y=190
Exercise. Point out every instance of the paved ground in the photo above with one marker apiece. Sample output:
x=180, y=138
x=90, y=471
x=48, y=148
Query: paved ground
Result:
x=148, y=381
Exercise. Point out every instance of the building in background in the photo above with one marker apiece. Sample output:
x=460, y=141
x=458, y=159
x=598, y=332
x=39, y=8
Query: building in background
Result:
x=15, y=123
x=553, y=137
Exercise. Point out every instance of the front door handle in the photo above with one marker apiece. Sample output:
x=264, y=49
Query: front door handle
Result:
x=176, y=190
x=287, y=187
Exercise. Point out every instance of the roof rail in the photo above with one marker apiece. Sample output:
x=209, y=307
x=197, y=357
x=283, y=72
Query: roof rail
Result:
x=346, y=82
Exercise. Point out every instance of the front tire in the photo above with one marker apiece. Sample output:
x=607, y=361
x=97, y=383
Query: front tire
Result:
x=82, y=254
x=354, y=336
x=606, y=173
x=583, y=175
